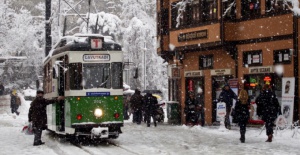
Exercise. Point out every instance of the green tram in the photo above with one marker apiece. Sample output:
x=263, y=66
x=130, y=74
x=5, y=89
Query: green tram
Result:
x=87, y=70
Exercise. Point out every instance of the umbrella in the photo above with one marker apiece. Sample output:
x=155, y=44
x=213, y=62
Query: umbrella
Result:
x=128, y=92
x=157, y=96
x=152, y=91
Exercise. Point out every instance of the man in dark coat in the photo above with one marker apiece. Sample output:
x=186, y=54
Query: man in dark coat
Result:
x=151, y=104
x=227, y=96
x=268, y=109
x=137, y=105
x=38, y=116
x=190, y=109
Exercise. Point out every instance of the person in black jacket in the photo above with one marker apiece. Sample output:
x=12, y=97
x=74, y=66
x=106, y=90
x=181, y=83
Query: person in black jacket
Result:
x=190, y=109
x=227, y=96
x=136, y=101
x=268, y=109
x=13, y=102
x=151, y=104
x=38, y=116
x=241, y=113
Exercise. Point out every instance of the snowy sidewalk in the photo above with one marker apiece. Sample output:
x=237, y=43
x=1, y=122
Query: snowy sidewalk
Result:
x=138, y=139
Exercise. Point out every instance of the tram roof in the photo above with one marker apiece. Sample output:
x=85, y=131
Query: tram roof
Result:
x=79, y=42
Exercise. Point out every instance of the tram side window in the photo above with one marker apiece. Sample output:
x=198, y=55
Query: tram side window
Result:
x=116, y=75
x=75, y=72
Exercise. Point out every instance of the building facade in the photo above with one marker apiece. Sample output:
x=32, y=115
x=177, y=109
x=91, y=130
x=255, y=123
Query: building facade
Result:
x=210, y=43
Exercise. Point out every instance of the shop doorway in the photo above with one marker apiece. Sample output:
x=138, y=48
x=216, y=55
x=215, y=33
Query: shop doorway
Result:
x=218, y=83
x=254, y=82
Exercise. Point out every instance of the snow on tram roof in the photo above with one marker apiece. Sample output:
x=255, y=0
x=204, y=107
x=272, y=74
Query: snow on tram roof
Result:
x=78, y=38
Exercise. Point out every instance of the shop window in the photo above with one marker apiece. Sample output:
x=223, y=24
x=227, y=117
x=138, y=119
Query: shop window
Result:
x=229, y=9
x=277, y=6
x=282, y=56
x=206, y=62
x=250, y=8
x=252, y=58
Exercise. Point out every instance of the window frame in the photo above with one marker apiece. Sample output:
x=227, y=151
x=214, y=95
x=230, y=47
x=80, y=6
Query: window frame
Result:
x=276, y=10
x=206, y=58
x=282, y=53
x=231, y=14
x=255, y=13
x=252, y=53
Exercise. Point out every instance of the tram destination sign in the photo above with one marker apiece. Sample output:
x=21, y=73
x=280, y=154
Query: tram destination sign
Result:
x=96, y=57
x=202, y=34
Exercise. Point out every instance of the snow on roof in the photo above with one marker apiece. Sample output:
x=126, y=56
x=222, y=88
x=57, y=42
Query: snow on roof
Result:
x=78, y=37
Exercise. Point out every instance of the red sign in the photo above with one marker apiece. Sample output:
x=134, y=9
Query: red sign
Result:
x=190, y=85
x=96, y=43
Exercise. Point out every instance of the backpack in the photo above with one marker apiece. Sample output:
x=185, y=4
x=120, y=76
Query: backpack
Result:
x=18, y=100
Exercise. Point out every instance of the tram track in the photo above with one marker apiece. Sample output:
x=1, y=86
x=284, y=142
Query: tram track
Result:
x=100, y=148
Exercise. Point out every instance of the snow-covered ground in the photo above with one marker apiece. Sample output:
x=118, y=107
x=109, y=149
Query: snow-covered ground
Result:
x=138, y=139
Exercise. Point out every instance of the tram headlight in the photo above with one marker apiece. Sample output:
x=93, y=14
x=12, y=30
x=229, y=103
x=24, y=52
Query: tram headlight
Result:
x=98, y=112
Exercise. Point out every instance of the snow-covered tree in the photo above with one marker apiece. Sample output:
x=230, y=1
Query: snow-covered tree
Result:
x=139, y=39
x=102, y=23
x=23, y=36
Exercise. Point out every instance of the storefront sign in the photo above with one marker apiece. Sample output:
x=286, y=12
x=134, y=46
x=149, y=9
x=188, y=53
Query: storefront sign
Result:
x=193, y=73
x=287, y=104
x=215, y=72
x=192, y=35
x=257, y=70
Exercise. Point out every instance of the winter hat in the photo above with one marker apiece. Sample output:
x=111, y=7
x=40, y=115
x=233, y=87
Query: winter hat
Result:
x=39, y=92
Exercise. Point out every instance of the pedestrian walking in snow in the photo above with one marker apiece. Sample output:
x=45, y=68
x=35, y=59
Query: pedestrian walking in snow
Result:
x=2, y=89
x=136, y=106
x=241, y=112
x=190, y=109
x=14, y=102
x=227, y=96
x=151, y=104
x=268, y=109
x=37, y=115
x=200, y=106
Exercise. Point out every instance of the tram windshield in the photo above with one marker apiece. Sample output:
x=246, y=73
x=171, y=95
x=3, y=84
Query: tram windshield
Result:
x=100, y=75
x=96, y=76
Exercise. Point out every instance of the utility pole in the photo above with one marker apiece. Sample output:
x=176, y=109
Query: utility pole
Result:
x=48, y=38
x=145, y=49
